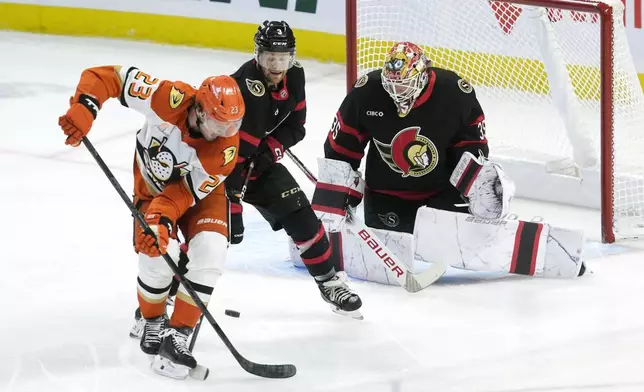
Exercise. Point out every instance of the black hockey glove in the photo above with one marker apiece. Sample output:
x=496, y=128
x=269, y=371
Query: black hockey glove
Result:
x=269, y=151
x=236, y=224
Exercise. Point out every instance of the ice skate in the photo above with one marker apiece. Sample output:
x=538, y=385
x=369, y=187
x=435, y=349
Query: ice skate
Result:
x=151, y=337
x=174, y=359
x=337, y=293
x=139, y=322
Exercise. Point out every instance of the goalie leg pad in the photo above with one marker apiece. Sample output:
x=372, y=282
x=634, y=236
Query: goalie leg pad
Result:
x=359, y=262
x=509, y=246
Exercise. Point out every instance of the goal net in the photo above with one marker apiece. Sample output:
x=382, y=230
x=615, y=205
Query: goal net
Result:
x=564, y=107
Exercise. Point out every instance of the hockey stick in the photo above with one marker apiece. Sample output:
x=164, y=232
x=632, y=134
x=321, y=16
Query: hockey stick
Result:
x=261, y=370
x=410, y=282
x=193, y=339
x=251, y=166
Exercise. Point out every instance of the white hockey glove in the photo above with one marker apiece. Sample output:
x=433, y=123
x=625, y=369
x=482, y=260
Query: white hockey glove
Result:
x=485, y=184
x=339, y=188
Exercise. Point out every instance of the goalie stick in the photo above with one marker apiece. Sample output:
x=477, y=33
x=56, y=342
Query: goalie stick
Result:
x=409, y=281
x=201, y=372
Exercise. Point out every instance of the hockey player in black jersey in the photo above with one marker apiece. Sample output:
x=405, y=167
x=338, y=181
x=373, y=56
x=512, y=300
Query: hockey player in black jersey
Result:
x=273, y=88
x=421, y=121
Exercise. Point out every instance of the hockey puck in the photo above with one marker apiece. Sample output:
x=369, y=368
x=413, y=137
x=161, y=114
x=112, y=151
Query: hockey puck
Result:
x=232, y=313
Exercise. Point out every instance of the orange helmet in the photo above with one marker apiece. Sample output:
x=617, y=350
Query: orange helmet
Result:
x=220, y=107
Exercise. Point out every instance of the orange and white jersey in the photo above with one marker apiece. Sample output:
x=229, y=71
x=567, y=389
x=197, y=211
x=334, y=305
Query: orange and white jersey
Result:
x=166, y=154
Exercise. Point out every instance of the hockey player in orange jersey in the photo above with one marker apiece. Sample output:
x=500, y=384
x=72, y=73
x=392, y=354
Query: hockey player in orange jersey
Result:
x=184, y=151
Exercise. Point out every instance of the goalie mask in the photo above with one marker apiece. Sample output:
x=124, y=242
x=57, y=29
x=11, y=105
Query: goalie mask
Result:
x=404, y=75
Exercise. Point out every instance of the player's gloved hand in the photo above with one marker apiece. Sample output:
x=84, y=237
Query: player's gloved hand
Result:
x=158, y=217
x=236, y=233
x=78, y=120
x=269, y=151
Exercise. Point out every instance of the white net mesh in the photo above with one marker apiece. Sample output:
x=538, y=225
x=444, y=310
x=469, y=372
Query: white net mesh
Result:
x=537, y=75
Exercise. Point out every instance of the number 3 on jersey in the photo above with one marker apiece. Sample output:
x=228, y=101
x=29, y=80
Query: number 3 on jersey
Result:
x=141, y=87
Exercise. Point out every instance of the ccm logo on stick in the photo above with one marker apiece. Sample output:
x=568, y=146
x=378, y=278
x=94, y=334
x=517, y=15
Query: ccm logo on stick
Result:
x=373, y=244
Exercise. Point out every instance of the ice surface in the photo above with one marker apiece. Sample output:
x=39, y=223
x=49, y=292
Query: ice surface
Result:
x=68, y=270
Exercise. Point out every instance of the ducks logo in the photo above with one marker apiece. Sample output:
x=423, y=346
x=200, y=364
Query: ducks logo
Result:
x=409, y=153
x=176, y=97
x=161, y=164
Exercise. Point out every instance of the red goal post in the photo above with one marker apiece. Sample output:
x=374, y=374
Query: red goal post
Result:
x=371, y=24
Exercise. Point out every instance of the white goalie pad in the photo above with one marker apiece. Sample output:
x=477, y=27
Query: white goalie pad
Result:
x=511, y=246
x=361, y=263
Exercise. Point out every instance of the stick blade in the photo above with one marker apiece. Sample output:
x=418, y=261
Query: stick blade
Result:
x=268, y=371
x=417, y=282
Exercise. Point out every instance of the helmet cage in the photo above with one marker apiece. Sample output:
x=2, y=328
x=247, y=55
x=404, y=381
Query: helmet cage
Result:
x=404, y=74
x=404, y=92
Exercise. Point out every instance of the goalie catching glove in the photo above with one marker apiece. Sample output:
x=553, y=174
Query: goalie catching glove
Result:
x=485, y=184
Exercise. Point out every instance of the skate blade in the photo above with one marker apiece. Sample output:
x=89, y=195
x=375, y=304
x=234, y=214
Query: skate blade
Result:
x=356, y=315
x=165, y=367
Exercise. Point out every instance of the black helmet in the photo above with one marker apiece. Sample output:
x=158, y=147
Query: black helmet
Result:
x=275, y=36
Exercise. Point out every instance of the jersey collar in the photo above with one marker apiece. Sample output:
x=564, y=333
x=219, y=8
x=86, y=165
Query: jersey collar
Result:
x=428, y=91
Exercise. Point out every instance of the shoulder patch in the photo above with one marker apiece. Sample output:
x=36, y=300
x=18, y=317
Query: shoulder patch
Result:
x=176, y=97
x=465, y=86
x=255, y=87
x=297, y=64
x=362, y=80
x=229, y=154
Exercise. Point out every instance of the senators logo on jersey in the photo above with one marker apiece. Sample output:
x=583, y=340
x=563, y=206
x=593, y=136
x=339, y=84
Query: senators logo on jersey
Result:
x=409, y=153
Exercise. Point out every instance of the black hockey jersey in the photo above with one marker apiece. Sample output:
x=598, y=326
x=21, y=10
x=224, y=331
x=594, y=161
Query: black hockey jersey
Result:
x=279, y=112
x=410, y=157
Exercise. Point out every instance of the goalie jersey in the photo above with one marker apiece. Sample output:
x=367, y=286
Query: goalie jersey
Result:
x=410, y=157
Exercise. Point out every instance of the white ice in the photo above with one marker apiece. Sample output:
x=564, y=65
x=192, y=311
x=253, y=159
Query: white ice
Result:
x=68, y=270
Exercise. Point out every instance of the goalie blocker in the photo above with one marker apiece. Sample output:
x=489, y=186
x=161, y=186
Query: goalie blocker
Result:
x=461, y=240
